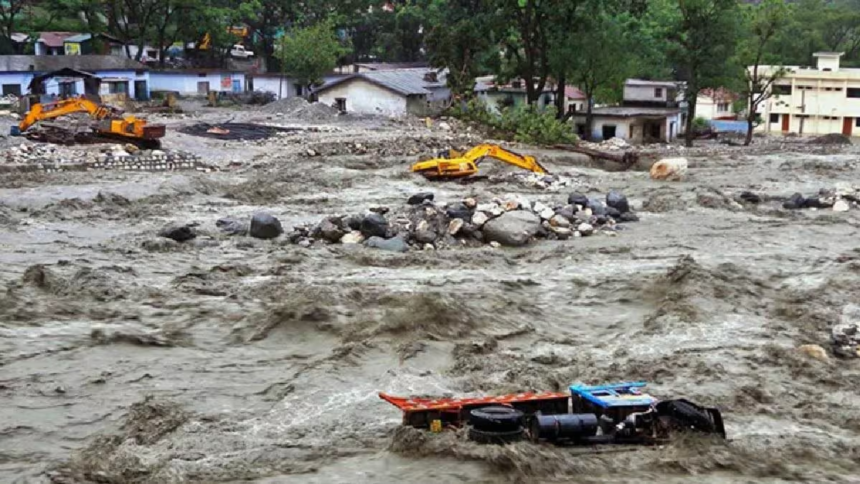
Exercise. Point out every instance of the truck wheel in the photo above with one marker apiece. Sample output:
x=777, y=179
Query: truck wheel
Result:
x=496, y=419
x=686, y=414
x=498, y=438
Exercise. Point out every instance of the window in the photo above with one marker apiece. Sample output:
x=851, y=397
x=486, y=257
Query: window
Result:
x=658, y=92
x=12, y=89
x=774, y=118
x=68, y=89
x=580, y=129
x=837, y=89
x=299, y=90
x=722, y=107
x=852, y=92
x=783, y=90
x=857, y=122
x=202, y=74
x=340, y=102
x=120, y=87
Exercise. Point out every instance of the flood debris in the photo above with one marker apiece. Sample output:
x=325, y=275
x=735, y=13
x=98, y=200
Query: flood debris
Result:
x=839, y=199
x=513, y=221
x=620, y=413
x=831, y=139
x=672, y=169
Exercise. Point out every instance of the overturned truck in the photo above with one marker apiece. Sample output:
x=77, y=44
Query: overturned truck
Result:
x=589, y=415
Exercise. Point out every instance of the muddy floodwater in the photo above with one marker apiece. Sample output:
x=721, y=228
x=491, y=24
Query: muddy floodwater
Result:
x=128, y=358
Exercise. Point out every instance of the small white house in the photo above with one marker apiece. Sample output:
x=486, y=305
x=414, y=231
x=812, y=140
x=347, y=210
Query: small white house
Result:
x=496, y=95
x=397, y=92
x=715, y=104
x=197, y=82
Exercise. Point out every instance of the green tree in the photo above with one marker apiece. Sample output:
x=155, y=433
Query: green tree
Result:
x=701, y=36
x=459, y=37
x=311, y=52
x=762, y=24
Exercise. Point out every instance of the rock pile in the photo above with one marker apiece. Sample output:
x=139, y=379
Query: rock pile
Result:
x=513, y=221
x=840, y=199
x=402, y=146
x=845, y=340
x=535, y=180
x=612, y=144
x=298, y=108
x=831, y=139
x=49, y=157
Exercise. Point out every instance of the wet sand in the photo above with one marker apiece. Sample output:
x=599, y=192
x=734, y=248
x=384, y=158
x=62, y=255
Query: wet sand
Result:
x=128, y=358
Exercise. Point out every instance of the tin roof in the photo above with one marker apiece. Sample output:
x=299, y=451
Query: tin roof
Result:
x=408, y=82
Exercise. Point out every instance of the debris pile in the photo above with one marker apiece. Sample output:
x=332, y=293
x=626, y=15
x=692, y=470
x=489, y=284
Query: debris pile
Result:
x=50, y=157
x=612, y=144
x=401, y=146
x=513, y=221
x=298, y=108
x=831, y=139
x=535, y=180
x=839, y=199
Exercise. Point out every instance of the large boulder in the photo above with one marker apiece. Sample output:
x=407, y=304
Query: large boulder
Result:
x=329, y=231
x=179, y=233
x=513, y=229
x=577, y=199
x=231, y=226
x=265, y=226
x=597, y=207
x=420, y=198
x=618, y=201
x=374, y=225
x=459, y=210
x=394, y=244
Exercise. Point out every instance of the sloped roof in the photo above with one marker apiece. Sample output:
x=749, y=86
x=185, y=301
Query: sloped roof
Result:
x=78, y=38
x=631, y=111
x=87, y=63
x=387, y=66
x=54, y=39
x=642, y=82
x=408, y=82
x=572, y=92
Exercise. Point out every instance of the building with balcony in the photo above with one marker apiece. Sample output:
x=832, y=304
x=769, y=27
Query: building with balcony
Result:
x=813, y=100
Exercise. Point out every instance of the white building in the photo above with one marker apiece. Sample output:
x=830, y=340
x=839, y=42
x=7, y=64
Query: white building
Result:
x=650, y=112
x=715, y=104
x=399, y=92
x=813, y=100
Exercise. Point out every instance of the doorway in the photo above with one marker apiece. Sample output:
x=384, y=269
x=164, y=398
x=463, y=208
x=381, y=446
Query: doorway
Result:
x=608, y=131
x=847, y=125
x=785, y=123
x=203, y=87
x=140, y=91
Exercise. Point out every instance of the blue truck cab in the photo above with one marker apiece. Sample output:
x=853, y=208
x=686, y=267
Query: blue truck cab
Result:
x=616, y=401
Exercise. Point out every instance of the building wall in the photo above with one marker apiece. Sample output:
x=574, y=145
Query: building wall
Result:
x=52, y=86
x=818, y=103
x=645, y=93
x=707, y=108
x=364, y=97
x=273, y=84
x=632, y=129
x=186, y=83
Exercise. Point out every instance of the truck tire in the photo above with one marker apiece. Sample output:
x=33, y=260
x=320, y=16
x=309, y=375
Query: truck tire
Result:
x=496, y=419
x=497, y=438
x=687, y=414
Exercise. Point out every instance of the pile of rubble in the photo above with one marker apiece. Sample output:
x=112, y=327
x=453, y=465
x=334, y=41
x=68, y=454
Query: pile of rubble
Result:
x=550, y=183
x=513, y=222
x=839, y=199
x=612, y=144
x=298, y=108
x=50, y=157
x=401, y=146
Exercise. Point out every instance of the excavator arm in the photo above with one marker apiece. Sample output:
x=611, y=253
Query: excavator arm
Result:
x=41, y=112
x=456, y=165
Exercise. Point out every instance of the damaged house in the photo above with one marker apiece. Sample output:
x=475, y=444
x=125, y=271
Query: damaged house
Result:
x=398, y=92
x=651, y=111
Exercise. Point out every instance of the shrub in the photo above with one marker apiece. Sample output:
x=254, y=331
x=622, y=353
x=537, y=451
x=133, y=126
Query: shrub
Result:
x=525, y=124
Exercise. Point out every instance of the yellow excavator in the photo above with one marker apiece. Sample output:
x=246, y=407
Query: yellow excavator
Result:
x=110, y=123
x=453, y=164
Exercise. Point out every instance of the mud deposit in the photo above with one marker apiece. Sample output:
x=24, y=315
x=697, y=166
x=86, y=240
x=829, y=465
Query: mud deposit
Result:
x=125, y=358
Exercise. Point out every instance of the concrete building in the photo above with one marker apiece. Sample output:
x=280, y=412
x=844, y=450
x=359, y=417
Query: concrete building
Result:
x=650, y=112
x=282, y=86
x=194, y=82
x=813, y=100
x=716, y=104
x=497, y=95
x=574, y=99
x=399, y=92
x=52, y=43
x=118, y=77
